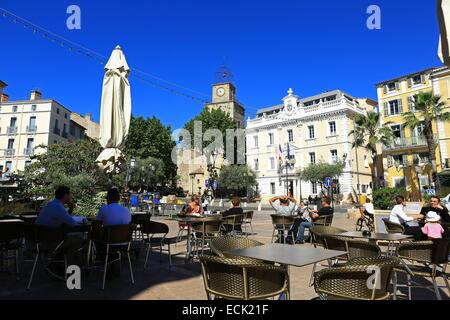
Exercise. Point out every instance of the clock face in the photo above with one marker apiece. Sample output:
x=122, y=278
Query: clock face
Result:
x=290, y=107
x=221, y=92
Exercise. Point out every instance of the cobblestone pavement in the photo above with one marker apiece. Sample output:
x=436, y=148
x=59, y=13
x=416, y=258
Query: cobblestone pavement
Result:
x=159, y=282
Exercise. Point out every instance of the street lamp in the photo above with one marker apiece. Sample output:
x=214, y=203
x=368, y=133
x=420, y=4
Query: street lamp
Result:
x=130, y=168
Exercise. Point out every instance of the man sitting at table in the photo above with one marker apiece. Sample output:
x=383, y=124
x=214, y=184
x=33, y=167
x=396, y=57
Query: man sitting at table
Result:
x=284, y=206
x=436, y=206
x=113, y=214
x=399, y=216
x=54, y=215
x=325, y=210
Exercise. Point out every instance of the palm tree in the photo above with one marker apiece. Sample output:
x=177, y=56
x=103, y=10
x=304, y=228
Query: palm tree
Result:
x=427, y=109
x=368, y=133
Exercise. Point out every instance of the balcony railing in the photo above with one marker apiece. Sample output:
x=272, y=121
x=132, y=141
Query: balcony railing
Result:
x=400, y=143
x=11, y=130
x=28, y=152
x=57, y=131
x=31, y=129
x=10, y=152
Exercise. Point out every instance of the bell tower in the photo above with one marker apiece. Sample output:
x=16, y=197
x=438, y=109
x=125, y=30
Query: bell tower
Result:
x=224, y=97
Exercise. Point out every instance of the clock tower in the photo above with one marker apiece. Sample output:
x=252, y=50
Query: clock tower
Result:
x=224, y=98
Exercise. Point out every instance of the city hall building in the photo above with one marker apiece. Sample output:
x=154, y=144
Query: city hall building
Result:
x=317, y=130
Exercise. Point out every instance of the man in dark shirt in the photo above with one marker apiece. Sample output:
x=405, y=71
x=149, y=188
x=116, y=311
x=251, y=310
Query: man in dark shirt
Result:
x=436, y=206
x=325, y=210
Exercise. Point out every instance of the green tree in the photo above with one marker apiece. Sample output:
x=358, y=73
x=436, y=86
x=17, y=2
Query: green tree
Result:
x=320, y=171
x=427, y=109
x=71, y=164
x=368, y=133
x=148, y=174
x=149, y=138
x=383, y=198
x=211, y=119
x=237, y=178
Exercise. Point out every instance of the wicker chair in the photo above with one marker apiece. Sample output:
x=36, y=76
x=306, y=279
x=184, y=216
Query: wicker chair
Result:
x=427, y=256
x=219, y=246
x=351, y=281
x=237, y=279
x=11, y=234
x=357, y=249
x=333, y=242
x=318, y=234
x=392, y=227
x=319, y=231
x=281, y=226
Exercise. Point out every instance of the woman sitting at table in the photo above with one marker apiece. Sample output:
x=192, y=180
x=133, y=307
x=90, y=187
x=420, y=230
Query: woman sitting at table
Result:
x=195, y=207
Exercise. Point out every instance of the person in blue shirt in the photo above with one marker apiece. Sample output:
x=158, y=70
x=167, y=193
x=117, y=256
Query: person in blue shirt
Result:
x=54, y=214
x=113, y=214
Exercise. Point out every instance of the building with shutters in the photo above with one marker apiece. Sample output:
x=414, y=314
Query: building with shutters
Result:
x=405, y=162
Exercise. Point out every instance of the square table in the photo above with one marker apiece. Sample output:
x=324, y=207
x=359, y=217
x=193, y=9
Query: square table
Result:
x=391, y=238
x=288, y=255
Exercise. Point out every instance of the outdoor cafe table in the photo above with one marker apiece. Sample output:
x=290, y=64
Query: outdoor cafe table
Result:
x=390, y=238
x=189, y=221
x=288, y=255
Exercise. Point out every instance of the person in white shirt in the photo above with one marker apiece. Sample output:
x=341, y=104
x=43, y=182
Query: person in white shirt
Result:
x=399, y=216
x=369, y=209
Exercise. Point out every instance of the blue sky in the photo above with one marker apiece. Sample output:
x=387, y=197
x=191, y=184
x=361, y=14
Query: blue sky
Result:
x=311, y=46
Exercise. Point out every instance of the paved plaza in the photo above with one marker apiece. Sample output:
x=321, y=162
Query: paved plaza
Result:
x=159, y=282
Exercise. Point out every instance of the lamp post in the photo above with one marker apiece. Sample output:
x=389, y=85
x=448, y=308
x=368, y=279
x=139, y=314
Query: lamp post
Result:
x=130, y=168
x=419, y=171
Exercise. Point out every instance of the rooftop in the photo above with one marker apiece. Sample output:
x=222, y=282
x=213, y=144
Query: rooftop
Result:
x=429, y=70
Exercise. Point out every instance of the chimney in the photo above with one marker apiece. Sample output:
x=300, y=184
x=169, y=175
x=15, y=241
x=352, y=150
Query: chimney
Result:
x=88, y=116
x=5, y=98
x=35, y=95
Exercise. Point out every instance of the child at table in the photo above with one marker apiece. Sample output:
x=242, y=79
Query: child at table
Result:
x=433, y=228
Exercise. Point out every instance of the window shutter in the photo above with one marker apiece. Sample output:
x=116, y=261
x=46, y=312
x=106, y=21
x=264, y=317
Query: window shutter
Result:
x=390, y=161
x=397, y=86
x=385, y=89
x=422, y=78
x=405, y=159
x=410, y=104
x=400, y=106
x=386, y=109
x=410, y=80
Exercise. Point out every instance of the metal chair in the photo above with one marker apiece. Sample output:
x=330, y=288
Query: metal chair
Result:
x=138, y=220
x=149, y=230
x=281, y=227
x=42, y=241
x=427, y=257
x=324, y=220
x=233, y=224
x=351, y=280
x=392, y=227
x=11, y=235
x=117, y=239
x=238, y=279
x=203, y=232
x=248, y=218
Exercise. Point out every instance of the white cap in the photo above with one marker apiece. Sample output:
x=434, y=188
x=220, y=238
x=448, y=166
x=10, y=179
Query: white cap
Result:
x=433, y=217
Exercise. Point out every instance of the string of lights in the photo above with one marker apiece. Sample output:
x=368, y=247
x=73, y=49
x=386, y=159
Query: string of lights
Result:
x=101, y=59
